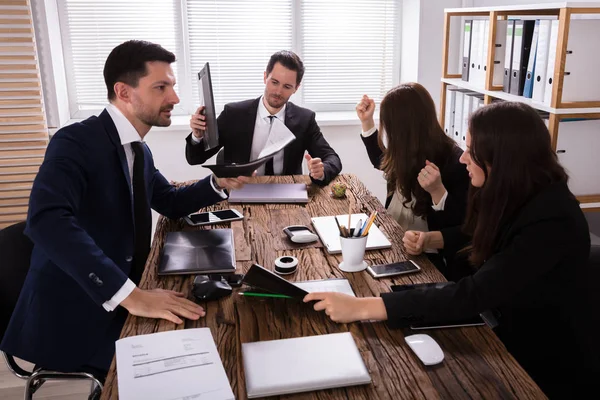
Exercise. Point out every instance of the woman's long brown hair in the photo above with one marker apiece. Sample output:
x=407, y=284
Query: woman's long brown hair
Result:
x=511, y=143
x=409, y=123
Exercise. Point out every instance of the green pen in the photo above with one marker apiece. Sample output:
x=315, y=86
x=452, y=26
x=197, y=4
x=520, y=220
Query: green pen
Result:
x=253, y=294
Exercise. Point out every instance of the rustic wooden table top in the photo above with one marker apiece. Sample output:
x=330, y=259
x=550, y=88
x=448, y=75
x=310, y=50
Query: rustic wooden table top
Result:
x=476, y=364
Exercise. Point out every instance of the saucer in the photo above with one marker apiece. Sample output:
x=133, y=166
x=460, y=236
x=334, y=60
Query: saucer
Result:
x=354, y=268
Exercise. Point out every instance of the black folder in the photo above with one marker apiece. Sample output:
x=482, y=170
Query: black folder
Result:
x=198, y=252
x=234, y=170
x=519, y=66
x=264, y=279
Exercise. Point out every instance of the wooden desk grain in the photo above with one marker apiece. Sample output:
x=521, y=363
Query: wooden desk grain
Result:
x=476, y=364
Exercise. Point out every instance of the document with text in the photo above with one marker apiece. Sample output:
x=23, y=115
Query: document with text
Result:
x=182, y=364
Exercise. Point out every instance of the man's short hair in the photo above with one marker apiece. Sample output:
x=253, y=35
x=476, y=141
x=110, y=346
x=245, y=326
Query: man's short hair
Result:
x=288, y=59
x=127, y=63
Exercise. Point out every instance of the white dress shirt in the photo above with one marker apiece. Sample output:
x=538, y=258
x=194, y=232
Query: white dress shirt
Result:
x=127, y=135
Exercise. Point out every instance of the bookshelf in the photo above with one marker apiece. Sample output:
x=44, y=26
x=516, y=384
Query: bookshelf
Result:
x=557, y=109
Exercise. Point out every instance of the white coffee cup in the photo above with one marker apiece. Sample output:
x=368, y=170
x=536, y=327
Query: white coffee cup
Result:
x=353, y=253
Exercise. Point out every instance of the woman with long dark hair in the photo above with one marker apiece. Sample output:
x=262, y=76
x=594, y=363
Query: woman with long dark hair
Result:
x=527, y=240
x=427, y=185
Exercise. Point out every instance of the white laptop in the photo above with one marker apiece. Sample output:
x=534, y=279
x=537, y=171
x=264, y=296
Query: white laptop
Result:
x=270, y=193
x=303, y=364
x=330, y=235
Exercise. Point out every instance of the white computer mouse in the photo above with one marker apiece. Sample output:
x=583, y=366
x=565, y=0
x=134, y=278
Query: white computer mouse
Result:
x=427, y=349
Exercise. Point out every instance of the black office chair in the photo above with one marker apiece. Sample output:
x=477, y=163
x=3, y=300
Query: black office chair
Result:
x=15, y=249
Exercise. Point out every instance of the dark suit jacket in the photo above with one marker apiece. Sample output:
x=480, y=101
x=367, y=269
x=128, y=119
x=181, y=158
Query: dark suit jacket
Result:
x=454, y=177
x=530, y=279
x=81, y=223
x=236, y=132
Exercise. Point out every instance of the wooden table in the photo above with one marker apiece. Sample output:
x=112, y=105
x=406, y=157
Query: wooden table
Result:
x=476, y=364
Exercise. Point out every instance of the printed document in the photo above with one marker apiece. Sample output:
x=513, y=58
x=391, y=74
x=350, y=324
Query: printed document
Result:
x=182, y=364
x=279, y=137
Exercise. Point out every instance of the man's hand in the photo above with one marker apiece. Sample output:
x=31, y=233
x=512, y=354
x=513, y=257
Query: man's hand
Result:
x=198, y=123
x=430, y=179
x=316, y=169
x=343, y=308
x=233, y=183
x=160, y=303
x=365, y=110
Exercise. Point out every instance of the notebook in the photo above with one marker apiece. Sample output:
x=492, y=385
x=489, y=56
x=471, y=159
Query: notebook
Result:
x=270, y=193
x=319, y=362
x=198, y=252
x=330, y=235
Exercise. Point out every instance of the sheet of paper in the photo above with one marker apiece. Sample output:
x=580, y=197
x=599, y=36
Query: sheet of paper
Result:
x=182, y=364
x=279, y=137
x=327, y=285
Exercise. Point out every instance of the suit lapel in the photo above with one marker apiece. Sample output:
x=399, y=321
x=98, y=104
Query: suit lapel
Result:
x=246, y=135
x=111, y=130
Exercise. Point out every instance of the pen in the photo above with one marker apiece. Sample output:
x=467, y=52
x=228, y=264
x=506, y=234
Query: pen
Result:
x=253, y=294
x=338, y=225
x=358, y=228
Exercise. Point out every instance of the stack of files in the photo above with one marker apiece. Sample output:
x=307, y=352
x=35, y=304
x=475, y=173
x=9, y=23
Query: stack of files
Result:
x=459, y=101
x=208, y=251
x=328, y=232
x=582, y=64
x=449, y=111
x=181, y=364
x=542, y=62
x=476, y=73
x=285, y=366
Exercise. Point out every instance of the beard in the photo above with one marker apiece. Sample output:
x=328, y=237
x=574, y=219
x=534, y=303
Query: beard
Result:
x=275, y=101
x=151, y=118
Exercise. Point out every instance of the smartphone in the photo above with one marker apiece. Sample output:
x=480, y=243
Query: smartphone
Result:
x=397, y=268
x=213, y=217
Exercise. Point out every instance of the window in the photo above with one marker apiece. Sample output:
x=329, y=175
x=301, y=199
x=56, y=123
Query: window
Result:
x=349, y=47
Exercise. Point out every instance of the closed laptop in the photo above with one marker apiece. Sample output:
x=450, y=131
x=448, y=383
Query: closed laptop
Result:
x=270, y=193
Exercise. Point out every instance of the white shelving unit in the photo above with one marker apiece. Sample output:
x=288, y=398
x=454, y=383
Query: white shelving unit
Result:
x=557, y=109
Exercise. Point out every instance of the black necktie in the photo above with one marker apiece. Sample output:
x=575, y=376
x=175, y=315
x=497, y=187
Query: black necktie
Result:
x=269, y=165
x=141, y=215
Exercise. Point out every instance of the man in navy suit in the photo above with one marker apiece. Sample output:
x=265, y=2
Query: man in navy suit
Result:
x=244, y=128
x=90, y=222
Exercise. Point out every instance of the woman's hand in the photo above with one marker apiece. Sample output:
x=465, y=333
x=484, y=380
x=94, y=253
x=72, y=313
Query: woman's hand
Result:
x=343, y=308
x=365, y=110
x=430, y=180
x=415, y=242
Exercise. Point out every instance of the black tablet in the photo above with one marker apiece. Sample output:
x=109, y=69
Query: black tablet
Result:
x=211, y=134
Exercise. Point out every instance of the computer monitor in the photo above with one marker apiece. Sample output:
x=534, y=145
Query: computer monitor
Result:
x=211, y=134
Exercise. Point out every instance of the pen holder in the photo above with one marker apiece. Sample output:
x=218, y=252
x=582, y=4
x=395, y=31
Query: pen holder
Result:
x=353, y=253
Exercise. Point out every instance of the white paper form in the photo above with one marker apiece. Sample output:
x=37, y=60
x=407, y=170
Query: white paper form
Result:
x=182, y=364
x=327, y=285
x=279, y=137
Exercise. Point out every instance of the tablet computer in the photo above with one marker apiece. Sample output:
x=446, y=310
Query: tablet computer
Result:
x=211, y=134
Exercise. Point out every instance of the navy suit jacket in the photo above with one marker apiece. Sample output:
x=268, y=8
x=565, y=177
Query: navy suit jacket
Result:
x=81, y=223
x=236, y=132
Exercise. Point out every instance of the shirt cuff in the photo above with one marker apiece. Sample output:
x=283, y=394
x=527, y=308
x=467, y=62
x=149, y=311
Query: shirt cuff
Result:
x=220, y=192
x=440, y=206
x=365, y=134
x=195, y=140
x=121, y=295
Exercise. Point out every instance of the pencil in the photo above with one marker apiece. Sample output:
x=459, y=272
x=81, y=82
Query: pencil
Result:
x=338, y=225
x=253, y=294
x=371, y=220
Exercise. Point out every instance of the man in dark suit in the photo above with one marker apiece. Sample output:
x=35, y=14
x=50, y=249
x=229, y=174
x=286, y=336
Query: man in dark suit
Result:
x=244, y=128
x=90, y=222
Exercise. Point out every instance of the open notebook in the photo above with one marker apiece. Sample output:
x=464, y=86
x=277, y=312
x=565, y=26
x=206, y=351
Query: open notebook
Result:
x=330, y=235
x=319, y=362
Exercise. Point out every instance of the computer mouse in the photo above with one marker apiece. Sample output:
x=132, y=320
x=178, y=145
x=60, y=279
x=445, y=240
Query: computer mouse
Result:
x=206, y=289
x=426, y=348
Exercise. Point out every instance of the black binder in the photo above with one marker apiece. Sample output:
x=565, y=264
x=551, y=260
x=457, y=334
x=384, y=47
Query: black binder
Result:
x=521, y=50
x=198, y=252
